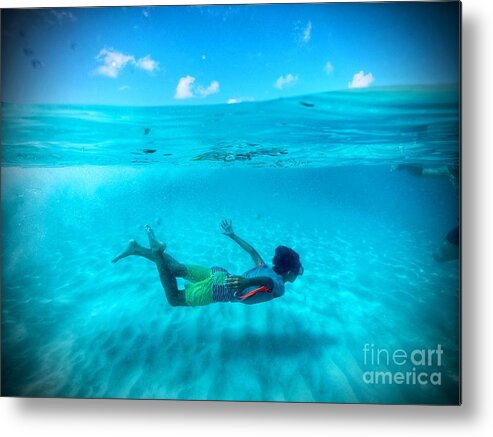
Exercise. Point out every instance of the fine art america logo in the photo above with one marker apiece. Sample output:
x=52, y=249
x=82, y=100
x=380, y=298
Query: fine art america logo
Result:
x=398, y=366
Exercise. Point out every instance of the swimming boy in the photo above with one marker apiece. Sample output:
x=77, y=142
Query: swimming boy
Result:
x=208, y=285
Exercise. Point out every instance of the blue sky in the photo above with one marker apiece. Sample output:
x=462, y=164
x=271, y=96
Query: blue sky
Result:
x=217, y=54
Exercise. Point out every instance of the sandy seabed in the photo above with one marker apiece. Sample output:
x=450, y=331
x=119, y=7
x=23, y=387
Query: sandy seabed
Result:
x=76, y=325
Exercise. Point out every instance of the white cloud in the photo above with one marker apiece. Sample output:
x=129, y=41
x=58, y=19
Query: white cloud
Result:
x=186, y=88
x=147, y=63
x=287, y=80
x=240, y=100
x=123, y=88
x=307, y=33
x=213, y=88
x=361, y=80
x=329, y=68
x=113, y=62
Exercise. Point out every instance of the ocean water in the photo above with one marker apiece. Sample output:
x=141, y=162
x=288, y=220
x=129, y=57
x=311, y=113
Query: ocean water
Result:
x=313, y=173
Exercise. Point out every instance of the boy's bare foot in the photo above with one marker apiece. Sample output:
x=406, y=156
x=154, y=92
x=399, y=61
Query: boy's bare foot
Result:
x=130, y=250
x=156, y=246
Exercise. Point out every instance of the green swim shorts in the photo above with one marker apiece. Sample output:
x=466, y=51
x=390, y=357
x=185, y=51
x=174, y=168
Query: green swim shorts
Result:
x=204, y=282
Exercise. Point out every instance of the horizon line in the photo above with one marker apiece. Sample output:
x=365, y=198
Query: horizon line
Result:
x=349, y=90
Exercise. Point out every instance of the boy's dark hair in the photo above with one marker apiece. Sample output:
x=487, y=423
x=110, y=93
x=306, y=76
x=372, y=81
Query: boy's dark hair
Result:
x=286, y=259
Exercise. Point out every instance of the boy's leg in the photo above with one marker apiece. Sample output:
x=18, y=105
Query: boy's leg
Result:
x=168, y=267
x=134, y=248
x=168, y=279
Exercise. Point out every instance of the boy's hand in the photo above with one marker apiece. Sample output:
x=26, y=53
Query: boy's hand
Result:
x=227, y=226
x=237, y=283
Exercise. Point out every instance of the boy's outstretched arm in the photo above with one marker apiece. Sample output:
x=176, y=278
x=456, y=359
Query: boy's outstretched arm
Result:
x=228, y=231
